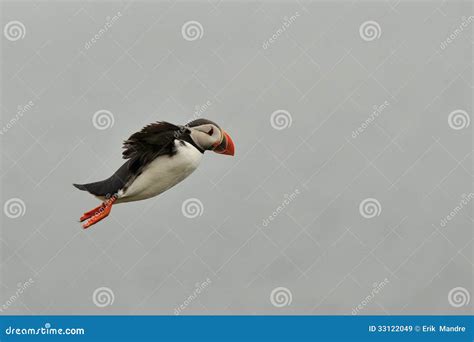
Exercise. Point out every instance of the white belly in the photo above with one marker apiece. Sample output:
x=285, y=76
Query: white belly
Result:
x=163, y=173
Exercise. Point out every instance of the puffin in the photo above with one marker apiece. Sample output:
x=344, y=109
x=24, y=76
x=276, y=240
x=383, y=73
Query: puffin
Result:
x=157, y=158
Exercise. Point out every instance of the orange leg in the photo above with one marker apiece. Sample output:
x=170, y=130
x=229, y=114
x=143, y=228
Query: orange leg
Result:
x=100, y=214
x=92, y=212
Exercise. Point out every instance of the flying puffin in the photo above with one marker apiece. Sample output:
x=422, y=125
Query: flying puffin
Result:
x=158, y=157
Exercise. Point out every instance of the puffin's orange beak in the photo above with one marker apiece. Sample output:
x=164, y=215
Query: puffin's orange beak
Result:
x=226, y=146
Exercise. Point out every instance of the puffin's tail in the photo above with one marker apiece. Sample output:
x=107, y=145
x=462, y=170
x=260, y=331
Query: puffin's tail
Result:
x=81, y=187
x=102, y=188
x=109, y=186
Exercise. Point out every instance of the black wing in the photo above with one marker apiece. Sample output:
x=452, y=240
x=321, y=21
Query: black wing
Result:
x=152, y=141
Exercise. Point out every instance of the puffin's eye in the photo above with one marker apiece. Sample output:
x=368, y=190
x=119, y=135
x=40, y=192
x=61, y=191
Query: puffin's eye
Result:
x=211, y=131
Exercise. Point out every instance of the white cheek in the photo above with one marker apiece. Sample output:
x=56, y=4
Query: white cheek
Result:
x=202, y=139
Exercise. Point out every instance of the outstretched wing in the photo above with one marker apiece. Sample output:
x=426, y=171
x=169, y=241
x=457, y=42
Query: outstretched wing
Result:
x=152, y=141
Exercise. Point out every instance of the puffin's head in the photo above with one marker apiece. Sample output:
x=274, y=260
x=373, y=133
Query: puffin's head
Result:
x=209, y=136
